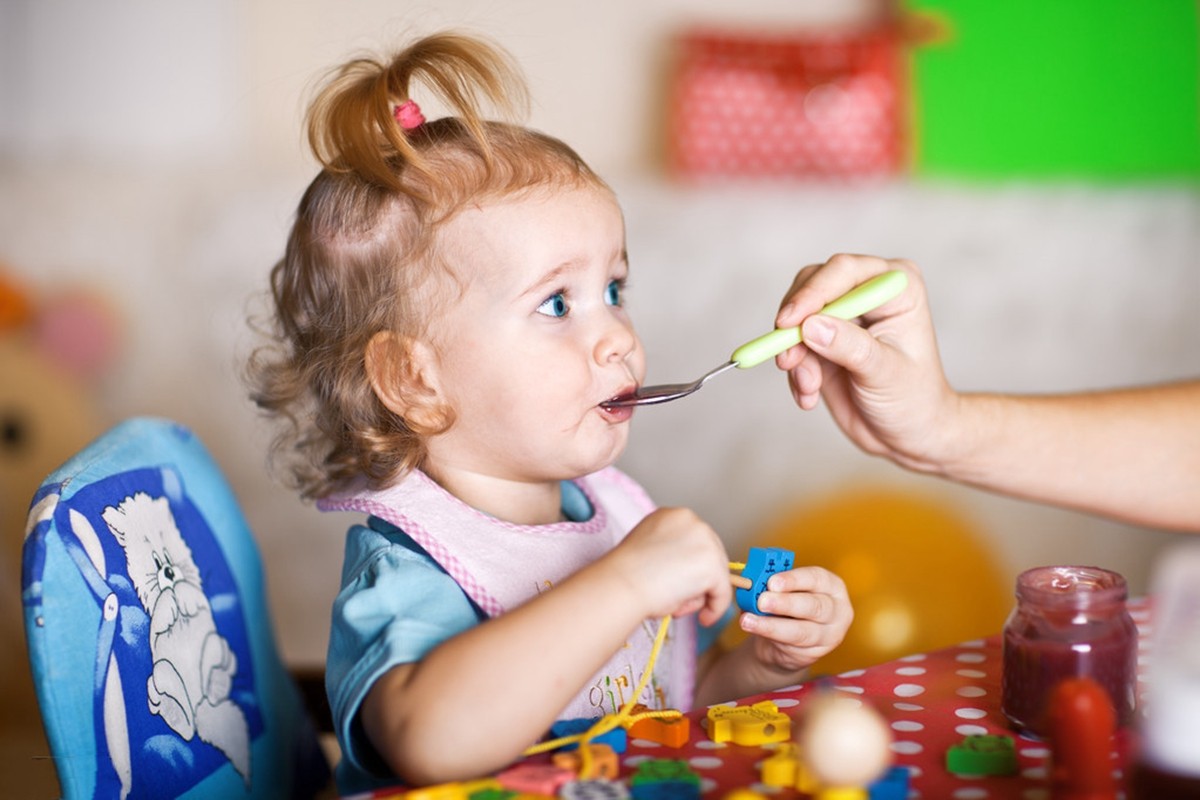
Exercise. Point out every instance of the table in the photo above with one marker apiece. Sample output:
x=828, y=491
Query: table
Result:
x=930, y=700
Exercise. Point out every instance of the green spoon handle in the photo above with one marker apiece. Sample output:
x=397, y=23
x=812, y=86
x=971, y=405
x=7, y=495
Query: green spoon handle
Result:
x=854, y=303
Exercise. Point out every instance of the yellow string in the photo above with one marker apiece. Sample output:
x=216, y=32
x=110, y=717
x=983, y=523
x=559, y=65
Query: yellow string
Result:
x=609, y=722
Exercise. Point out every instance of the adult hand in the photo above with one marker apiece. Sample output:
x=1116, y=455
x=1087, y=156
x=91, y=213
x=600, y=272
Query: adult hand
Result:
x=882, y=381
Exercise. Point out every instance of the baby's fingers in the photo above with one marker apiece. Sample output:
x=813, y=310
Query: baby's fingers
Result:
x=802, y=635
x=808, y=579
x=808, y=593
x=813, y=606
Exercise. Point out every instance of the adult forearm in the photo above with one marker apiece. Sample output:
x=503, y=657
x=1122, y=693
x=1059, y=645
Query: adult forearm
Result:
x=1129, y=454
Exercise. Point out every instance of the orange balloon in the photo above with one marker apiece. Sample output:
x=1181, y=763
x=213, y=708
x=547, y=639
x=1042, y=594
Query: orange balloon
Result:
x=919, y=577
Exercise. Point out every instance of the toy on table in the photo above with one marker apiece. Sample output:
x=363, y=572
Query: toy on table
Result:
x=743, y=793
x=593, y=729
x=593, y=790
x=535, y=778
x=672, y=731
x=1080, y=722
x=892, y=786
x=761, y=564
x=482, y=788
x=570, y=729
x=664, y=779
x=604, y=764
x=761, y=723
x=845, y=745
x=782, y=768
x=980, y=754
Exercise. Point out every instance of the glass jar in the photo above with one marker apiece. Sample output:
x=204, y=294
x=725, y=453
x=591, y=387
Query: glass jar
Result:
x=1068, y=622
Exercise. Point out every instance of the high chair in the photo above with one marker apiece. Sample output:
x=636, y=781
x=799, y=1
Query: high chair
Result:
x=151, y=644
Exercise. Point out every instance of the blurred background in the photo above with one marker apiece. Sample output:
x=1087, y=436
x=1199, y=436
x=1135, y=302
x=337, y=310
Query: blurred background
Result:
x=1040, y=164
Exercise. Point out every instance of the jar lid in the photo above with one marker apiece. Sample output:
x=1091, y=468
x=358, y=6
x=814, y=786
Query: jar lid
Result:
x=1071, y=586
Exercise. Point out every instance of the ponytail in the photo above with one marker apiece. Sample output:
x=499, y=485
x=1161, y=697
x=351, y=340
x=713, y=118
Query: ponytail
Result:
x=352, y=125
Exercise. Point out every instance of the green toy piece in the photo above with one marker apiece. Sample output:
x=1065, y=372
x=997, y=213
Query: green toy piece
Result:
x=983, y=755
x=659, y=770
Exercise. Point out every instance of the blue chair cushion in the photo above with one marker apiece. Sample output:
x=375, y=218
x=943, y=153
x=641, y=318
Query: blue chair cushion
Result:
x=150, y=639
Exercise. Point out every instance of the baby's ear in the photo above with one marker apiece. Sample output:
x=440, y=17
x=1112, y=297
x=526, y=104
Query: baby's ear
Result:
x=403, y=375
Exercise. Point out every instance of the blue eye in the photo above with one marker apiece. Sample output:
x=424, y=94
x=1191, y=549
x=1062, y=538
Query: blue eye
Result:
x=612, y=293
x=554, y=306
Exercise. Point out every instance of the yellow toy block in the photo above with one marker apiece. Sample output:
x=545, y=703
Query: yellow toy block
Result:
x=842, y=793
x=452, y=791
x=744, y=794
x=761, y=723
x=781, y=767
x=440, y=791
x=806, y=782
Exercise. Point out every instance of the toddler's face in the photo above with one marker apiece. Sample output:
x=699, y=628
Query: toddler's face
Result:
x=538, y=338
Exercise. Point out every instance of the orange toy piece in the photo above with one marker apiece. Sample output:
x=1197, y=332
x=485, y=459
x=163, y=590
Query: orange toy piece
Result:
x=761, y=723
x=1080, y=723
x=669, y=731
x=604, y=762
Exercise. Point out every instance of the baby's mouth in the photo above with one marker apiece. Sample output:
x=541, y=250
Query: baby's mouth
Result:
x=620, y=399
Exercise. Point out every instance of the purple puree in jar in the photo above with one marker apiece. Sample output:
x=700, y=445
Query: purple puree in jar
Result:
x=1068, y=622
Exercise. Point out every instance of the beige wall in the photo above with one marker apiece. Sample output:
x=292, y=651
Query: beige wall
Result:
x=154, y=151
x=226, y=80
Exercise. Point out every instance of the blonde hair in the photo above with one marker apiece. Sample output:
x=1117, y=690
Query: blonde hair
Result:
x=363, y=246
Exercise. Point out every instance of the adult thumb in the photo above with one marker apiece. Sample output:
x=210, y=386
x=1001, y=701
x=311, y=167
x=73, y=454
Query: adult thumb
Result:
x=839, y=341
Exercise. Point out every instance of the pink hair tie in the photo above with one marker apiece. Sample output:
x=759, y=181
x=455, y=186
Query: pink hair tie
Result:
x=409, y=115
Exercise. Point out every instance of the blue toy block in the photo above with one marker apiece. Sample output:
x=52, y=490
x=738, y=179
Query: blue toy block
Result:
x=665, y=790
x=892, y=786
x=617, y=738
x=761, y=564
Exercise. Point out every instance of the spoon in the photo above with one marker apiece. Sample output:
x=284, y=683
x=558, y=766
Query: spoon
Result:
x=854, y=303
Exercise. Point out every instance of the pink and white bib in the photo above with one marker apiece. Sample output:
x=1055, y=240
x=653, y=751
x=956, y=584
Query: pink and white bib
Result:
x=501, y=565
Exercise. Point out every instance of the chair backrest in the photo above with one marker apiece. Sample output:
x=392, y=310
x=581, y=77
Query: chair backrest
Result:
x=149, y=635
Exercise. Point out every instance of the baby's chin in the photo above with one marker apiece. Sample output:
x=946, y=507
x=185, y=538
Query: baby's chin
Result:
x=609, y=457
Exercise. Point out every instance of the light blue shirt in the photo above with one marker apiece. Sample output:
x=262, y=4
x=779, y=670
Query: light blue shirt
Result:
x=395, y=605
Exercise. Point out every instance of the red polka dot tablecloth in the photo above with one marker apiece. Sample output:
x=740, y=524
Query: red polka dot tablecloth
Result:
x=930, y=701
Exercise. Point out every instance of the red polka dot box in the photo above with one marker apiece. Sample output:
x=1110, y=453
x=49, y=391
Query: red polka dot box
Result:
x=786, y=105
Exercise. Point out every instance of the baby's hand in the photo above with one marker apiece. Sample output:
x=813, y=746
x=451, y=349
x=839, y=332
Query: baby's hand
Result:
x=676, y=564
x=811, y=613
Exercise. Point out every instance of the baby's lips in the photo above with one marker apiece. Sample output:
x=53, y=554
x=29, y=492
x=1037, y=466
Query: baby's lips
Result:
x=623, y=394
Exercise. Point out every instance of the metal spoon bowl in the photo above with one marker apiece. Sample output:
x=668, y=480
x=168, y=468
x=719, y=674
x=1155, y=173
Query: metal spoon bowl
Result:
x=652, y=395
x=865, y=297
